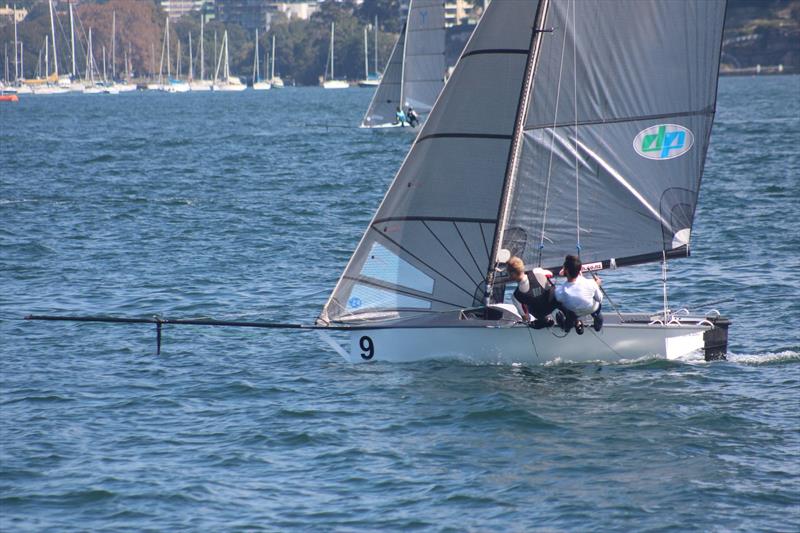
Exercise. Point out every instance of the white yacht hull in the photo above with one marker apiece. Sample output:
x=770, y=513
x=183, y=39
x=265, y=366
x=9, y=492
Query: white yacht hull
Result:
x=518, y=343
x=262, y=86
x=200, y=86
x=228, y=88
x=50, y=89
x=335, y=84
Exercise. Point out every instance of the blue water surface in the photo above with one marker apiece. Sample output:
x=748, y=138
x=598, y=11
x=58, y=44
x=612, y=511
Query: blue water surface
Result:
x=247, y=206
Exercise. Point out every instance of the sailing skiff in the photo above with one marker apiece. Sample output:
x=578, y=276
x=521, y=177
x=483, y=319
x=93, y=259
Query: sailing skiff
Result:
x=567, y=127
x=414, y=74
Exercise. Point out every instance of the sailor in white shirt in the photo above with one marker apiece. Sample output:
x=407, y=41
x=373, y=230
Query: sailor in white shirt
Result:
x=578, y=297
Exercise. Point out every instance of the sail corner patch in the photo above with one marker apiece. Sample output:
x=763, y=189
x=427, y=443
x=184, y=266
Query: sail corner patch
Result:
x=663, y=141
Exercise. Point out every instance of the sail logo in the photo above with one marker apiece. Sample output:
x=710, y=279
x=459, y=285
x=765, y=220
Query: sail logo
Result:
x=664, y=141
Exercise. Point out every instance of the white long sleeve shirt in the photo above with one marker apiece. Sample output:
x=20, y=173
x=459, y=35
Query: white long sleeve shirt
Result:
x=582, y=296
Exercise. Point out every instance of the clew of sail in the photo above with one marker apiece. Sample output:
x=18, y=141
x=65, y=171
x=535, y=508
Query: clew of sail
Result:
x=427, y=248
x=615, y=141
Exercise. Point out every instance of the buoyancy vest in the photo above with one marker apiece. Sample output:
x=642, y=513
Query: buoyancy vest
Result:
x=539, y=299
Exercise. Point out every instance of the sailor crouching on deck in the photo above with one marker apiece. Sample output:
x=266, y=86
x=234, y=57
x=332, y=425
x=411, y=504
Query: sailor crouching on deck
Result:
x=578, y=297
x=535, y=294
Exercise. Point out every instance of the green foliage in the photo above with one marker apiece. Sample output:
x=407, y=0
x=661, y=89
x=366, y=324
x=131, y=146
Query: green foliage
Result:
x=302, y=45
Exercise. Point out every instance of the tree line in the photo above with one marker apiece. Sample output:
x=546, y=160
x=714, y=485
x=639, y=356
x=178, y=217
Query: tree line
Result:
x=302, y=45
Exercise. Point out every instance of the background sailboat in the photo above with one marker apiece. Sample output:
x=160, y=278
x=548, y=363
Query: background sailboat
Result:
x=414, y=75
x=258, y=83
x=226, y=82
x=332, y=82
x=373, y=79
x=201, y=84
x=276, y=81
x=556, y=134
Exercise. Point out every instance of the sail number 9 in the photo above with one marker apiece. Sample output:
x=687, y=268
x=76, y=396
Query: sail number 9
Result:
x=367, y=348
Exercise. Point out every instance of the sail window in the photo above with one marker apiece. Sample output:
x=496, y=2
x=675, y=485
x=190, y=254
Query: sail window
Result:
x=363, y=297
x=384, y=265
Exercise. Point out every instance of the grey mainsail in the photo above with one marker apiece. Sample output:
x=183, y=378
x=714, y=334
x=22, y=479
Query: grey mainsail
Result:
x=514, y=156
x=612, y=170
x=414, y=75
x=387, y=96
x=423, y=72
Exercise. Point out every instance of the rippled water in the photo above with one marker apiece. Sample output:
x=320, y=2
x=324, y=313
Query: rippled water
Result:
x=248, y=206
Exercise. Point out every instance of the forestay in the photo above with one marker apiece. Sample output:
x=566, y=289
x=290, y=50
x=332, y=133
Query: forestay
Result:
x=427, y=248
x=612, y=169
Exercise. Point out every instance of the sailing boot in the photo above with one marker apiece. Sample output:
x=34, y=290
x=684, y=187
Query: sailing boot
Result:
x=597, y=324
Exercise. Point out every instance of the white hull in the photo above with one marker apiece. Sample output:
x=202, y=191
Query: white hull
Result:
x=277, y=83
x=50, y=90
x=93, y=89
x=154, y=87
x=229, y=87
x=177, y=87
x=335, y=84
x=521, y=344
x=24, y=89
x=462, y=336
x=262, y=86
x=369, y=83
x=388, y=125
x=125, y=87
x=200, y=86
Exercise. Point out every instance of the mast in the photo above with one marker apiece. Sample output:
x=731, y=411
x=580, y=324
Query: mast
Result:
x=272, y=75
x=46, y=56
x=169, y=57
x=5, y=55
x=105, y=78
x=333, y=76
x=53, y=32
x=178, y=60
x=152, y=60
x=403, y=61
x=366, y=55
x=227, y=58
x=255, y=60
x=72, y=39
x=191, y=67
x=113, y=45
x=16, y=40
x=91, y=57
x=202, y=54
x=516, y=144
x=376, y=44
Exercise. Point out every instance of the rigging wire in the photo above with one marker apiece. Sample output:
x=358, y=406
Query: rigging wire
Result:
x=552, y=143
x=575, y=101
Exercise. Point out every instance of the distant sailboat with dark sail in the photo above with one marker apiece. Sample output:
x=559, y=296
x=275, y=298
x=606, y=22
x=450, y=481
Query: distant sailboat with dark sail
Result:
x=567, y=127
x=414, y=75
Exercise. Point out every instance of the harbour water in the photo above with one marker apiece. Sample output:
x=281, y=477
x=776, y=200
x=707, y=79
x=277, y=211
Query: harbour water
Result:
x=247, y=206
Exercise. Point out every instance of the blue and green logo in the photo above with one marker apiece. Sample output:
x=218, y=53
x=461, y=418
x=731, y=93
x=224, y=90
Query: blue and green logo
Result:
x=664, y=141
